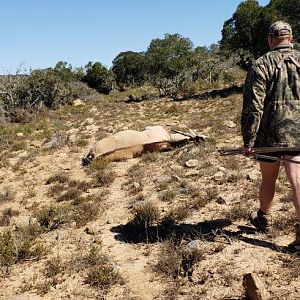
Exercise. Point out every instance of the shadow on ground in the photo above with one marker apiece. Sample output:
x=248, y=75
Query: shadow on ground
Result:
x=208, y=230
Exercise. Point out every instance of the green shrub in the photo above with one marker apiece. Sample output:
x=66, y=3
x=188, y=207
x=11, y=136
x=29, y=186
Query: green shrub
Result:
x=145, y=215
x=30, y=93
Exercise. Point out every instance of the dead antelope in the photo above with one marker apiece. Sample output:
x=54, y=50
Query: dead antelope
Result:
x=130, y=143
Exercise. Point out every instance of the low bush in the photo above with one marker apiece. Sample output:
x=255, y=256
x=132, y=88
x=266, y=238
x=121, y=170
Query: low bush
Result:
x=23, y=94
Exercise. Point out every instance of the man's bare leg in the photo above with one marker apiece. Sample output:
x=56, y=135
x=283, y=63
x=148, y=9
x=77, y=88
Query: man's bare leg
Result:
x=269, y=173
x=260, y=219
x=293, y=175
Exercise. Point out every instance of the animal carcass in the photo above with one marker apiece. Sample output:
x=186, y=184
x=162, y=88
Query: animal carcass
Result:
x=131, y=143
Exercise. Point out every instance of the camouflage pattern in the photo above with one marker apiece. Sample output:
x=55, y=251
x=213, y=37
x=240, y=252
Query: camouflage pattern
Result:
x=280, y=28
x=271, y=106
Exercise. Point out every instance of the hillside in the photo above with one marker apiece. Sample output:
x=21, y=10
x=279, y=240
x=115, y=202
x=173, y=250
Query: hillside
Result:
x=72, y=225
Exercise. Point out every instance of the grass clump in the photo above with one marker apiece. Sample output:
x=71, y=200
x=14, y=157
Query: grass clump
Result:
x=103, y=276
x=178, y=259
x=52, y=217
x=177, y=214
x=168, y=195
x=102, y=173
x=7, y=195
x=58, y=178
x=145, y=215
x=7, y=214
x=17, y=246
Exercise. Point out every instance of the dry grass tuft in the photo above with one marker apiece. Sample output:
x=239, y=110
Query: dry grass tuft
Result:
x=145, y=215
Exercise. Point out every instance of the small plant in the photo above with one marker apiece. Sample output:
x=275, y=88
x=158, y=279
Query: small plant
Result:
x=240, y=210
x=7, y=195
x=177, y=214
x=58, y=178
x=7, y=214
x=103, y=276
x=52, y=217
x=145, y=215
x=69, y=195
x=54, y=267
x=98, y=165
x=168, y=195
x=17, y=246
x=104, y=177
x=177, y=259
x=84, y=212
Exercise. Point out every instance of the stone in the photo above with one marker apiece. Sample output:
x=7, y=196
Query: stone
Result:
x=193, y=245
x=218, y=176
x=192, y=173
x=60, y=235
x=92, y=229
x=136, y=186
x=222, y=199
x=229, y=124
x=192, y=163
x=254, y=288
x=77, y=102
x=89, y=121
x=164, y=179
x=20, y=134
x=22, y=221
x=250, y=177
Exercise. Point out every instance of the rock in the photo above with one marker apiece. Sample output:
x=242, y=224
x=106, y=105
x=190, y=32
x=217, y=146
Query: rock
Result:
x=116, y=268
x=164, y=179
x=250, y=177
x=20, y=134
x=60, y=235
x=22, y=221
x=78, y=102
x=33, y=220
x=192, y=163
x=89, y=121
x=222, y=200
x=218, y=176
x=93, y=110
x=222, y=169
x=92, y=229
x=193, y=245
x=254, y=288
x=229, y=124
x=136, y=186
x=192, y=173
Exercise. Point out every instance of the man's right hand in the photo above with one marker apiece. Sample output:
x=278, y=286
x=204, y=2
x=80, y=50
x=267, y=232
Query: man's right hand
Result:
x=247, y=151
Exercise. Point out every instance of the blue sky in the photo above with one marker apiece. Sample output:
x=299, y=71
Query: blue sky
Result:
x=39, y=33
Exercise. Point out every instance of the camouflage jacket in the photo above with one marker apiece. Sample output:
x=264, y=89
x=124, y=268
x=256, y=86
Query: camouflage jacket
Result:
x=271, y=103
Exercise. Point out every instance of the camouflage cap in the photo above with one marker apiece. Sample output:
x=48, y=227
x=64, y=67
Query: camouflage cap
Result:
x=280, y=28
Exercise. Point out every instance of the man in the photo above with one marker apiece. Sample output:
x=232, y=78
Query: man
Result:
x=271, y=118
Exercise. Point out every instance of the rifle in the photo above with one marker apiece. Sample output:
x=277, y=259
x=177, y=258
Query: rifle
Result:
x=259, y=153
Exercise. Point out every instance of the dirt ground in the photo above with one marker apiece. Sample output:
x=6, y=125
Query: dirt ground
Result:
x=60, y=221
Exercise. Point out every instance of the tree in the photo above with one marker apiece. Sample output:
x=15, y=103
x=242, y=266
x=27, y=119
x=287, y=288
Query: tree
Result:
x=244, y=31
x=288, y=10
x=168, y=61
x=99, y=77
x=67, y=73
x=130, y=68
x=248, y=27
